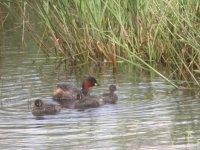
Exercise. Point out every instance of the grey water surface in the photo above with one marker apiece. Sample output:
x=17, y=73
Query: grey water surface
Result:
x=149, y=115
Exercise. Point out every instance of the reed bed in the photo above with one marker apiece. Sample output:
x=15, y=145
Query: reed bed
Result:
x=147, y=34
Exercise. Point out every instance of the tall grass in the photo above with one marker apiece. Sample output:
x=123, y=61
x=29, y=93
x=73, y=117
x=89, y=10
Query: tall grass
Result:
x=143, y=33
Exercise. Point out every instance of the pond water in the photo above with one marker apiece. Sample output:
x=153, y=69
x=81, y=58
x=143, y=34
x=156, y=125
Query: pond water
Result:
x=150, y=114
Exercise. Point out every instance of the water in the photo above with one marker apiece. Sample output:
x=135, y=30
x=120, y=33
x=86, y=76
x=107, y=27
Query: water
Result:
x=149, y=115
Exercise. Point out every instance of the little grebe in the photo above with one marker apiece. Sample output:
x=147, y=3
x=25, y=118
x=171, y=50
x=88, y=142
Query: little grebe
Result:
x=40, y=108
x=89, y=101
x=66, y=94
x=110, y=97
x=66, y=91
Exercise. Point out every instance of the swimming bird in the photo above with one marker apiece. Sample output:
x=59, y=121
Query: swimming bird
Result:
x=110, y=97
x=92, y=101
x=65, y=94
x=89, y=101
x=41, y=109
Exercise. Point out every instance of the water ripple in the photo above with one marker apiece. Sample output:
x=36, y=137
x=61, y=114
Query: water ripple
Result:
x=150, y=114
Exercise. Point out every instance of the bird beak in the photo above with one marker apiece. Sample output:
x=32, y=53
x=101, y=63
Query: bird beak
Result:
x=97, y=84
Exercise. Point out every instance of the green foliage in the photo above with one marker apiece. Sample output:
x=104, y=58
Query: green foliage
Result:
x=143, y=33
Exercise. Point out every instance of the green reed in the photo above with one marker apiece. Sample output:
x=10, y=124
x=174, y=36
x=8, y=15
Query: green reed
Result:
x=147, y=34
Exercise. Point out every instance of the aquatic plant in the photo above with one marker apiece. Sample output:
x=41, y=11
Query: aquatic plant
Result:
x=147, y=34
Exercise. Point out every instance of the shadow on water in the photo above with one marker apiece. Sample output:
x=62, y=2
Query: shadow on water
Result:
x=150, y=114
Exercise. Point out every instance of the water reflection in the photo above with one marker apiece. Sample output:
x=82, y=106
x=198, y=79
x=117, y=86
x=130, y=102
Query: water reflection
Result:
x=150, y=114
